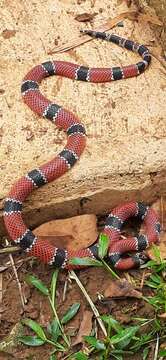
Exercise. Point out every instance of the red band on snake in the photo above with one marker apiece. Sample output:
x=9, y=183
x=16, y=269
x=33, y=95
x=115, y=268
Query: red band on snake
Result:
x=55, y=168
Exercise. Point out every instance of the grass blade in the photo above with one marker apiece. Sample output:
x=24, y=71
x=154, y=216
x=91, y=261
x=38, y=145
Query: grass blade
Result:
x=86, y=261
x=111, y=322
x=31, y=340
x=71, y=312
x=97, y=344
x=33, y=280
x=123, y=338
x=35, y=327
x=80, y=356
x=103, y=245
x=54, y=330
x=53, y=285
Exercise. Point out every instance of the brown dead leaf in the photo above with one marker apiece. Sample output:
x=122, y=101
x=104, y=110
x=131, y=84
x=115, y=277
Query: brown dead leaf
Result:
x=7, y=34
x=85, y=17
x=73, y=233
x=85, y=327
x=162, y=316
x=153, y=19
x=121, y=288
x=109, y=24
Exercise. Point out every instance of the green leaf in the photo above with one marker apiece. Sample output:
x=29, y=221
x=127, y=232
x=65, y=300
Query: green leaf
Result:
x=145, y=353
x=122, y=352
x=162, y=352
x=71, y=312
x=86, y=261
x=54, y=330
x=103, y=245
x=35, y=327
x=31, y=340
x=80, y=356
x=33, y=280
x=114, y=324
x=52, y=357
x=143, y=320
x=53, y=285
x=123, y=338
x=156, y=252
x=97, y=344
x=117, y=356
x=156, y=278
x=151, y=284
x=150, y=263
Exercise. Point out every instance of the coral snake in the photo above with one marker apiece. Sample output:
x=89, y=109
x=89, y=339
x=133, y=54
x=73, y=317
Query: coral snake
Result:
x=17, y=230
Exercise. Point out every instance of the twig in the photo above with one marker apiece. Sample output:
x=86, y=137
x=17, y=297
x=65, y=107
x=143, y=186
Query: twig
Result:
x=110, y=270
x=9, y=249
x=64, y=290
x=162, y=212
x=17, y=279
x=132, y=15
x=93, y=307
x=142, y=280
x=0, y=294
x=21, y=261
x=156, y=348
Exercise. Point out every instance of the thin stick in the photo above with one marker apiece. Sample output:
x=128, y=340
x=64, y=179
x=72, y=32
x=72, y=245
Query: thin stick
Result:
x=9, y=249
x=142, y=280
x=110, y=270
x=1, y=293
x=64, y=290
x=109, y=24
x=93, y=307
x=156, y=348
x=17, y=279
x=162, y=212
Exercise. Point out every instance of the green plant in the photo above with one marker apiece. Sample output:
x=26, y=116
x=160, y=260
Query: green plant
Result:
x=119, y=341
x=54, y=335
x=156, y=281
x=103, y=246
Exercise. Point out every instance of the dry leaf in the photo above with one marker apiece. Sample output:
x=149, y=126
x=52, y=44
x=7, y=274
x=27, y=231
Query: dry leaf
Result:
x=153, y=19
x=7, y=34
x=85, y=327
x=121, y=288
x=162, y=316
x=85, y=17
x=74, y=233
x=132, y=15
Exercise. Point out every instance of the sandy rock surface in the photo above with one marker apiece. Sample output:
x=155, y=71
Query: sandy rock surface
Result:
x=125, y=120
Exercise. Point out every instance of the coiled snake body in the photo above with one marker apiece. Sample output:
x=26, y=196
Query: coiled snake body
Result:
x=55, y=168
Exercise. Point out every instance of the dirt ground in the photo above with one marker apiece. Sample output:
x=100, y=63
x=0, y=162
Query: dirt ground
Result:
x=96, y=281
x=125, y=121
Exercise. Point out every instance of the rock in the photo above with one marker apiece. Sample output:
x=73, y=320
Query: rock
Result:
x=125, y=120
